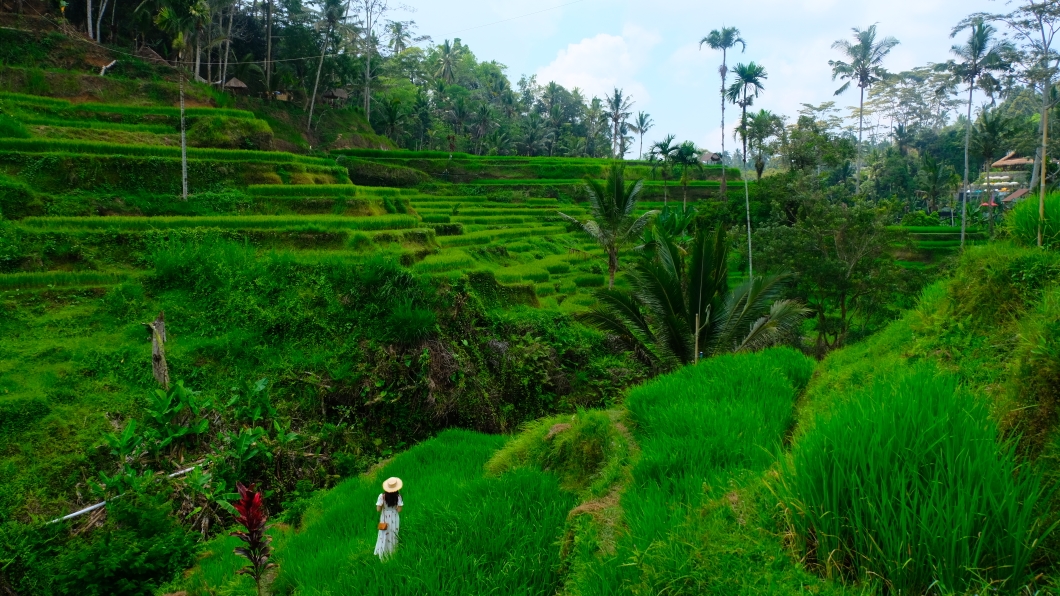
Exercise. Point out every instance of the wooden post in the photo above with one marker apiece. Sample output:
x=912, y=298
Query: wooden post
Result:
x=158, y=350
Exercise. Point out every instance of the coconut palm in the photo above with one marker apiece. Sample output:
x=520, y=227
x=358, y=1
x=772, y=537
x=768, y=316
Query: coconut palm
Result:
x=681, y=309
x=864, y=66
x=330, y=15
x=744, y=89
x=988, y=143
x=980, y=55
x=618, y=106
x=687, y=156
x=642, y=125
x=935, y=179
x=448, y=56
x=613, y=223
x=723, y=40
x=661, y=155
x=762, y=126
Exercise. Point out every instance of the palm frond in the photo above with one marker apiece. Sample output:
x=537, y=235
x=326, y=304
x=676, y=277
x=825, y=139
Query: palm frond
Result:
x=783, y=319
x=745, y=304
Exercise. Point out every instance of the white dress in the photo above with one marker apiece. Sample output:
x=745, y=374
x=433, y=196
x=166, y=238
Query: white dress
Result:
x=386, y=542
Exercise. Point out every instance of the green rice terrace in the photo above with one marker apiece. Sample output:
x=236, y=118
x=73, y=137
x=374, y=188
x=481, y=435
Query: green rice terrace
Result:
x=258, y=262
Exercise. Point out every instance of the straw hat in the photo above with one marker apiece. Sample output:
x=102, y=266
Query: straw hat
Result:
x=392, y=485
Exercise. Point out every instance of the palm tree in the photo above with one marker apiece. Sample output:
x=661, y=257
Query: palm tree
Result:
x=448, y=55
x=393, y=117
x=612, y=205
x=680, y=310
x=484, y=121
x=723, y=40
x=762, y=126
x=980, y=55
x=935, y=180
x=687, y=156
x=662, y=156
x=618, y=106
x=331, y=14
x=744, y=89
x=991, y=130
x=865, y=67
x=642, y=125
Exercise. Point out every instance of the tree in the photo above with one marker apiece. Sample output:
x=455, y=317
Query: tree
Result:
x=980, y=55
x=687, y=156
x=988, y=141
x=1037, y=25
x=618, y=106
x=864, y=67
x=681, y=309
x=331, y=14
x=744, y=89
x=723, y=40
x=934, y=180
x=372, y=11
x=448, y=56
x=763, y=126
x=642, y=125
x=662, y=155
x=612, y=206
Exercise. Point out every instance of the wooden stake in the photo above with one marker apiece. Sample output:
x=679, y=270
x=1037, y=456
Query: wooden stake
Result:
x=158, y=350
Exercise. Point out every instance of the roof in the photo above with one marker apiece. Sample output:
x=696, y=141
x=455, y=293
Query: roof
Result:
x=1019, y=194
x=1010, y=161
x=234, y=83
x=337, y=94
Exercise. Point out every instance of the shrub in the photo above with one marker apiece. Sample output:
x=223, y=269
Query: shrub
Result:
x=919, y=218
x=558, y=268
x=907, y=481
x=377, y=174
x=408, y=324
x=1022, y=222
x=11, y=128
x=230, y=133
x=589, y=281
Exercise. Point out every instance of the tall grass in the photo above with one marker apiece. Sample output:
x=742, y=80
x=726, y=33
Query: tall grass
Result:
x=704, y=431
x=61, y=105
x=303, y=190
x=1022, y=222
x=46, y=279
x=96, y=148
x=487, y=236
x=460, y=533
x=98, y=125
x=309, y=222
x=909, y=482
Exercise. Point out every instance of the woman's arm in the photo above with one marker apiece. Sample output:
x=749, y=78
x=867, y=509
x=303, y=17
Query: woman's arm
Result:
x=399, y=508
x=378, y=508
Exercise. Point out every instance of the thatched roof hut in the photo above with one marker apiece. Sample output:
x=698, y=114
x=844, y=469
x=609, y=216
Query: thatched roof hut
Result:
x=236, y=85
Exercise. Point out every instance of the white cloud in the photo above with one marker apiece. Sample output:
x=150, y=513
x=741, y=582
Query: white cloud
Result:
x=599, y=64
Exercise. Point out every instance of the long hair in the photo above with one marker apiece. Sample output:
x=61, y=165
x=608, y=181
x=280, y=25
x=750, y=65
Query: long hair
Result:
x=391, y=499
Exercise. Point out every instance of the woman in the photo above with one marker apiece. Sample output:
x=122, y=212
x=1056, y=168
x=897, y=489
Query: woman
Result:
x=389, y=505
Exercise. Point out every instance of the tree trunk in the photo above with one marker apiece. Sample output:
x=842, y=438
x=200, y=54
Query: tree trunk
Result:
x=268, y=49
x=747, y=203
x=228, y=46
x=724, y=71
x=612, y=266
x=316, y=83
x=88, y=20
x=1044, y=175
x=158, y=350
x=993, y=194
x=99, y=21
x=861, y=123
x=198, y=55
x=183, y=140
x=967, y=145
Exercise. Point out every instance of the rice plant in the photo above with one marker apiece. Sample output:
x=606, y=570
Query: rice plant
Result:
x=98, y=125
x=304, y=190
x=311, y=222
x=1023, y=222
x=48, y=279
x=460, y=533
x=909, y=481
x=91, y=147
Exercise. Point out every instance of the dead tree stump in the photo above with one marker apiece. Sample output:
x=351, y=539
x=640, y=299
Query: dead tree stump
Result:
x=158, y=350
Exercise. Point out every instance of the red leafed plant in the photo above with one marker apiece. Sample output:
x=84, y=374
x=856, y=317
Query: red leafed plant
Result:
x=251, y=515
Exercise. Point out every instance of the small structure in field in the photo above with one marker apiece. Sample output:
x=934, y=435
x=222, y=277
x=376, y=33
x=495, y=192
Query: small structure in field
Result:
x=236, y=86
x=336, y=97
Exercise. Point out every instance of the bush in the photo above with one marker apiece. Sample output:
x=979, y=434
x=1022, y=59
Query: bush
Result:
x=919, y=218
x=408, y=324
x=11, y=128
x=377, y=174
x=140, y=547
x=230, y=133
x=589, y=281
x=1022, y=222
x=907, y=482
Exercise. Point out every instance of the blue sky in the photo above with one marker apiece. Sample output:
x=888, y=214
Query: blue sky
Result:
x=651, y=48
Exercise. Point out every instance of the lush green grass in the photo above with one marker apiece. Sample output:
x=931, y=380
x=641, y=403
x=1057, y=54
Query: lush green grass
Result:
x=907, y=483
x=314, y=190
x=52, y=279
x=461, y=533
x=1024, y=220
x=311, y=222
x=98, y=125
x=55, y=105
x=95, y=148
x=694, y=517
x=486, y=236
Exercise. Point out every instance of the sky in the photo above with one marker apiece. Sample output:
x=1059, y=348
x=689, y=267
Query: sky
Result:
x=651, y=49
